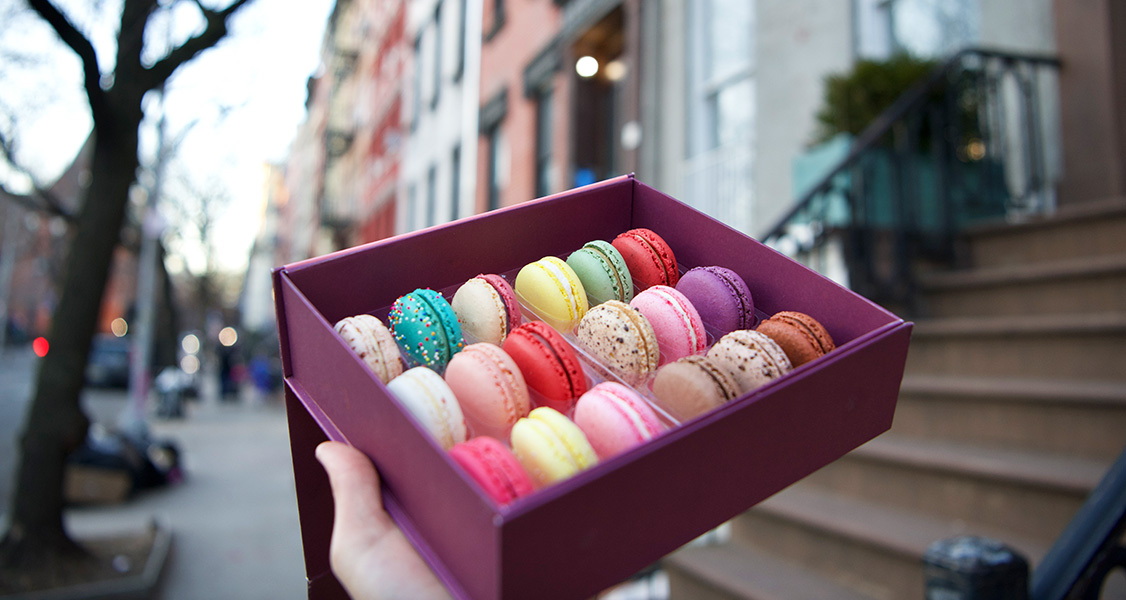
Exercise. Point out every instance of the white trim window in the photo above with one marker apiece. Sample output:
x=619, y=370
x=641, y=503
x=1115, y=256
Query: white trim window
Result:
x=721, y=110
x=722, y=102
x=933, y=28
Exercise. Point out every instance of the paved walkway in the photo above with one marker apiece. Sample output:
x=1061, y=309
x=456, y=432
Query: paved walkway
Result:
x=234, y=518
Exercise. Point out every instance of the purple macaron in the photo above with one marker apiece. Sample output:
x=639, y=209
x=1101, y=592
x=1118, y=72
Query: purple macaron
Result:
x=720, y=296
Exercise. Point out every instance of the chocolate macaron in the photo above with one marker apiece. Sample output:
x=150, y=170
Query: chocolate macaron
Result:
x=800, y=336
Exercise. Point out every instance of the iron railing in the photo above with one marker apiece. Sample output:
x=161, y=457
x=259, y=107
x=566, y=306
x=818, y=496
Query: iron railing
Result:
x=973, y=140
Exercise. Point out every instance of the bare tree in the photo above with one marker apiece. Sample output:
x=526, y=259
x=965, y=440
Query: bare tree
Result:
x=55, y=424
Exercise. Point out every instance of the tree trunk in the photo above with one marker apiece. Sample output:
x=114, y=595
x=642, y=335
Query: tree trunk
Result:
x=56, y=424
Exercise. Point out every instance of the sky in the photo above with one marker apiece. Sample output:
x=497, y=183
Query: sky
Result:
x=260, y=72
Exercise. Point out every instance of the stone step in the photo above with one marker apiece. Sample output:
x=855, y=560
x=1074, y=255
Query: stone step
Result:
x=1074, y=285
x=1068, y=346
x=1031, y=494
x=1083, y=230
x=735, y=572
x=1016, y=413
x=872, y=549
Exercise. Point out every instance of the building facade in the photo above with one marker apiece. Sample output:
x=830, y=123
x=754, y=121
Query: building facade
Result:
x=440, y=121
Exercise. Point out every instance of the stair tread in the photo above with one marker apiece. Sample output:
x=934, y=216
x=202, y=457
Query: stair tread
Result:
x=1078, y=211
x=1021, y=324
x=1024, y=273
x=1067, y=473
x=1017, y=388
x=749, y=573
x=894, y=529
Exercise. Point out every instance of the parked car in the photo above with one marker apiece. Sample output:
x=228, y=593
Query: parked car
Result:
x=108, y=364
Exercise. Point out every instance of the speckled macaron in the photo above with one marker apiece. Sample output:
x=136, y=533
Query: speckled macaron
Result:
x=753, y=359
x=622, y=339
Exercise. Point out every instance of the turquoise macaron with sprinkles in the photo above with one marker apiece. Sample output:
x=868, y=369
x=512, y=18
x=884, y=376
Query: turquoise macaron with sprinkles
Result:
x=426, y=328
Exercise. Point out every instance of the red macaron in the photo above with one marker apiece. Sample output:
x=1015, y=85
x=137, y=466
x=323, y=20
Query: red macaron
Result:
x=550, y=366
x=650, y=260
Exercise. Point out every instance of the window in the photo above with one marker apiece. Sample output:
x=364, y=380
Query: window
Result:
x=455, y=178
x=498, y=19
x=437, y=55
x=544, y=110
x=934, y=28
x=459, y=62
x=494, y=179
x=722, y=108
x=416, y=102
x=413, y=208
x=431, y=196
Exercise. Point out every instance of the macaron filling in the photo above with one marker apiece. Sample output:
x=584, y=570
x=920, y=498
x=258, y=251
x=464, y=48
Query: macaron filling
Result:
x=693, y=339
x=508, y=299
x=431, y=401
x=505, y=385
x=549, y=348
x=712, y=372
x=611, y=270
x=807, y=331
x=746, y=314
x=563, y=282
x=667, y=267
x=497, y=473
x=623, y=407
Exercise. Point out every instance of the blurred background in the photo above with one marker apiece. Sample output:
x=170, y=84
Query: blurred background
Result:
x=962, y=162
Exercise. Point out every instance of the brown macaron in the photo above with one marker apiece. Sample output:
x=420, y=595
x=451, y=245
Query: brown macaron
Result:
x=801, y=336
x=692, y=386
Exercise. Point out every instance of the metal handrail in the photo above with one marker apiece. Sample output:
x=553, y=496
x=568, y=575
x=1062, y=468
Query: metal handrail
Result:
x=902, y=122
x=1078, y=563
x=882, y=124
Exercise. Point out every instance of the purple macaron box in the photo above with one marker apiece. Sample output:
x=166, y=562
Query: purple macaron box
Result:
x=579, y=536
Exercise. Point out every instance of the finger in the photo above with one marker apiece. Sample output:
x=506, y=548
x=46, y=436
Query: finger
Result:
x=355, y=489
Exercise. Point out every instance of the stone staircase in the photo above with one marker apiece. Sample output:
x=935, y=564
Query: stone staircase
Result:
x=1012, y=407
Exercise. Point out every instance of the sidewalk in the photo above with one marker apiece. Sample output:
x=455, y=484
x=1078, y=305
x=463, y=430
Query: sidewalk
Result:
x=233, y=519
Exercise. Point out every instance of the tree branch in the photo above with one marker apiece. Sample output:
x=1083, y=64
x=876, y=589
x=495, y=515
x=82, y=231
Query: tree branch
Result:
x=216, y=29
x=81, y=46
x=50, y=202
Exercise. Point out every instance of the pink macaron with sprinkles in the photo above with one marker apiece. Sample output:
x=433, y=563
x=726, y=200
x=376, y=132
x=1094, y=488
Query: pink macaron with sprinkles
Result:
x=615, y=418
x=676, y=323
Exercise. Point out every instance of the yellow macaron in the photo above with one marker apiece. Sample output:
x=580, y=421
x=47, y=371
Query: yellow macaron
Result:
x=550, y=446
x=551, y=290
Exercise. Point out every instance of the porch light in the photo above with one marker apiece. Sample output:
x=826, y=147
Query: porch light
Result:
x=586, y=66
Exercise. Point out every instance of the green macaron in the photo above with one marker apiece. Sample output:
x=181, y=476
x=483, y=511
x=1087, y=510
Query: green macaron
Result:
x=602, y=271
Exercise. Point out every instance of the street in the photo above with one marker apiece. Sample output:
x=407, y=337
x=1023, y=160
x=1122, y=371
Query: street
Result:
x=234, y=517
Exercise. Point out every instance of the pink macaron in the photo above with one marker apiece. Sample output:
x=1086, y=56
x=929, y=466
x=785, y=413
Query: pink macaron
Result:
x=494, y=467
x=676, y=323
x=490, y=388
x=615, y=418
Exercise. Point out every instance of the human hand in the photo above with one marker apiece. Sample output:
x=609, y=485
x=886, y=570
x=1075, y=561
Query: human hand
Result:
x=369, y=554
